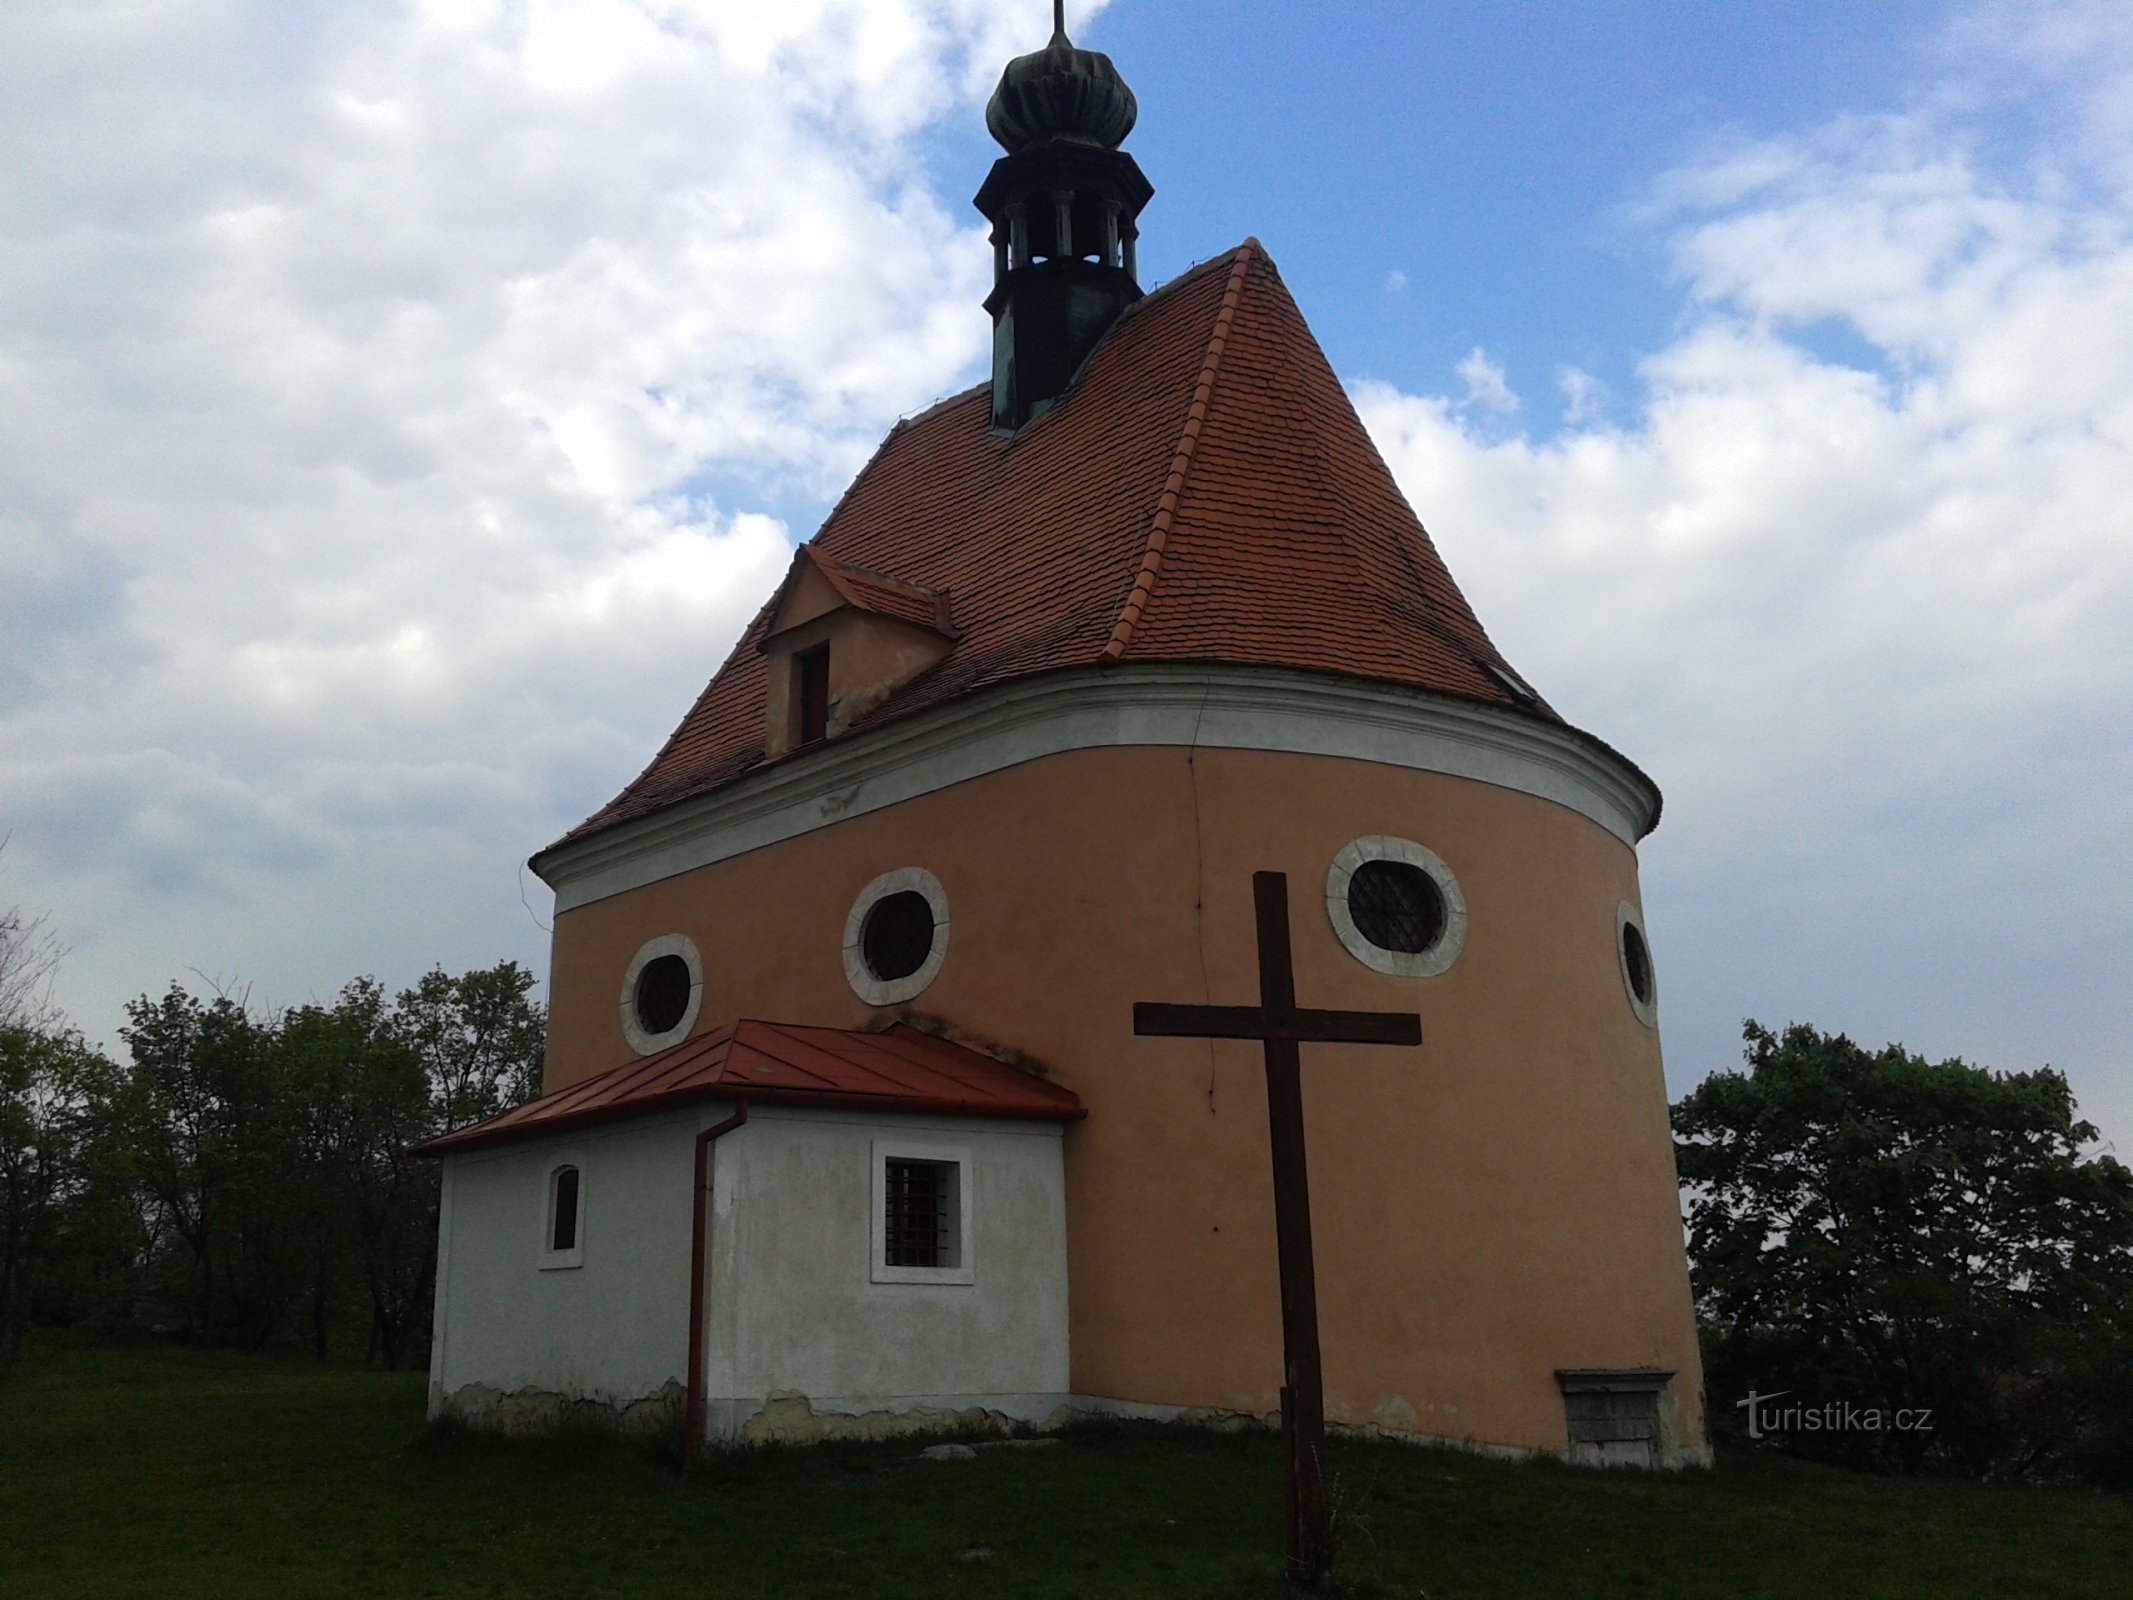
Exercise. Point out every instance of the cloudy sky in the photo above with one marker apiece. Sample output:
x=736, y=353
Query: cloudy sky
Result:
x=402, y=406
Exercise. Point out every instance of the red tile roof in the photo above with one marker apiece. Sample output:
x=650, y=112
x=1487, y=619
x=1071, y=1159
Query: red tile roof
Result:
x=772, y=1063
x=873, y=591
x=1204, y=493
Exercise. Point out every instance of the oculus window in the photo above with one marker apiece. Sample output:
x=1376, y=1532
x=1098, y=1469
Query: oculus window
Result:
x=1634, y=955
x=896, y=936
x=1396, y=907
x=921, y=1222
x=662, y=992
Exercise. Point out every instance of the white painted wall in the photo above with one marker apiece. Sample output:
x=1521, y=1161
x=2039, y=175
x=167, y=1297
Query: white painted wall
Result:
x=613, y=1329
x=793, y=1308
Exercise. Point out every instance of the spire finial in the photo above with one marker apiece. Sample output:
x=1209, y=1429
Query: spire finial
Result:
x=1059, y=18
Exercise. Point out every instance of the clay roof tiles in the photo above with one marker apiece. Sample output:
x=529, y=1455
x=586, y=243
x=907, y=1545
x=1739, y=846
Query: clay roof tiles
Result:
x=1205, y=492
x=880, y=593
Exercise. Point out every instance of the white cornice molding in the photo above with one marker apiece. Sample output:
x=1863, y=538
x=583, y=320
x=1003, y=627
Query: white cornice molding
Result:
x=1216, y=707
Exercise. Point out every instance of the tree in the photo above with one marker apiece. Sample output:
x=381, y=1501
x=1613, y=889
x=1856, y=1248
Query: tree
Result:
x=365, y=1099
x=29, y=954
x=480, y=1039
x=54, y=1094
x=254, y=1167
x=1876, y=1229
x=219, y=1143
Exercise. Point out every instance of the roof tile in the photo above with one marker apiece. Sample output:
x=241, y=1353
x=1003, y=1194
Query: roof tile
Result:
x=1205, y=492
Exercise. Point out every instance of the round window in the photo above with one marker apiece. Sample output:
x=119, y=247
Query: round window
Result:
x=896, y=936
x=1635, y=955
x=662, y=991
x=1396, y=907
x=1639, y=961
x=662, y=994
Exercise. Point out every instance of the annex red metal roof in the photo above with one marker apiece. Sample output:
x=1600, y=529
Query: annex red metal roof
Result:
x=1203, y=493
x=773, y=1063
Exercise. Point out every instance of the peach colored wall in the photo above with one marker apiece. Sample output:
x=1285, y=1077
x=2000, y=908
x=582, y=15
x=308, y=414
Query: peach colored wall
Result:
x=1492, y=1207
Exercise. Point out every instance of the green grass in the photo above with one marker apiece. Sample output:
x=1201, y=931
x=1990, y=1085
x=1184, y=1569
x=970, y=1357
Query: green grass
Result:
x=136, y=1470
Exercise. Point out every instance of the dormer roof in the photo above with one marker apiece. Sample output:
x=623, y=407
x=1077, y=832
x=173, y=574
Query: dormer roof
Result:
x=1204, y=493
x=875, y=593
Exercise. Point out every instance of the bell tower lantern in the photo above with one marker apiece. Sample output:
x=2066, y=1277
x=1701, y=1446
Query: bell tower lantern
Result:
x=1063, y=204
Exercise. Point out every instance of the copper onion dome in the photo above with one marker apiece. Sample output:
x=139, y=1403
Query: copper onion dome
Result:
x=1060, y=92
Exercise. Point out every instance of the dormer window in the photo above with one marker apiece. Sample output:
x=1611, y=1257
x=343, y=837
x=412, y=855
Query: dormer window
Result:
x=811, y=694
x=841, y=640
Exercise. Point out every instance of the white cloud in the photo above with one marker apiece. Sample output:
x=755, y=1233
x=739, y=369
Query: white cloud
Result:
x=1396, y=282
x=1583, y=395
x=1486, y=388
x=1871, y=629
x=398, y=411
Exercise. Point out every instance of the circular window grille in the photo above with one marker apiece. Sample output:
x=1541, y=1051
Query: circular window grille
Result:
x=662, y=993
x=1396, y=907
x=896, y=936
x=1635, y=955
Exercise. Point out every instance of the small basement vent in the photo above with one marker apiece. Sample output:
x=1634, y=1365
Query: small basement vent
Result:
x=1613, y=1417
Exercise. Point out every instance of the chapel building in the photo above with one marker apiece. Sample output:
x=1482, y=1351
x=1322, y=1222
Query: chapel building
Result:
x=846, y=1127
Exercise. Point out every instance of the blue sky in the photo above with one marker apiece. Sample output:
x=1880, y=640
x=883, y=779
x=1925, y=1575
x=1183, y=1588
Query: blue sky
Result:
x=402, y=407
x=1487, y=153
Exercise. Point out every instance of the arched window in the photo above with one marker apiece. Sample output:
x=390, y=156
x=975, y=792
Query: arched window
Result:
x=562, y=1241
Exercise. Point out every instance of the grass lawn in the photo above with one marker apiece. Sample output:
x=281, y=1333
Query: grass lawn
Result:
x=136, y=1470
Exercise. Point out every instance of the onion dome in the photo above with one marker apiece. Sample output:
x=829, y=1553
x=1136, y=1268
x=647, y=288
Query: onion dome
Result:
x=1060, y=92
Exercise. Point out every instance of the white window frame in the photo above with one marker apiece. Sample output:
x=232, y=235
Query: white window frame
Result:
x=667, y=944
x=958, y=1156
x=1429, y=963
x=891, y=991
x=1647, y=1011
x=553, y=1260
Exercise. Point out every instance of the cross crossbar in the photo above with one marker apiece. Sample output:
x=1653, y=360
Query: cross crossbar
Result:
x=1154, y=1018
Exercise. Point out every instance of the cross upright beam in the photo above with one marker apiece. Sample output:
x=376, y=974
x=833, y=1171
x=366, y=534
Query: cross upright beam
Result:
x=1282, y=1027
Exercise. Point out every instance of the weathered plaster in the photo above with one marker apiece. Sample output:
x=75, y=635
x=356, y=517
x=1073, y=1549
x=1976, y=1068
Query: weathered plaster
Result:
x=536, y=1412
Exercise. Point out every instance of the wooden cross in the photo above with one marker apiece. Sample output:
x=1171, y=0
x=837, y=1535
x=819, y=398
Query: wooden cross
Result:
x=1281, y=1026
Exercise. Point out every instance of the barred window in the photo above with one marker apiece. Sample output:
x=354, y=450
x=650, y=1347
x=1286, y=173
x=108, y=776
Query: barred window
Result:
x=921, y=1213
x=917, y=1225
x=1396, y=906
